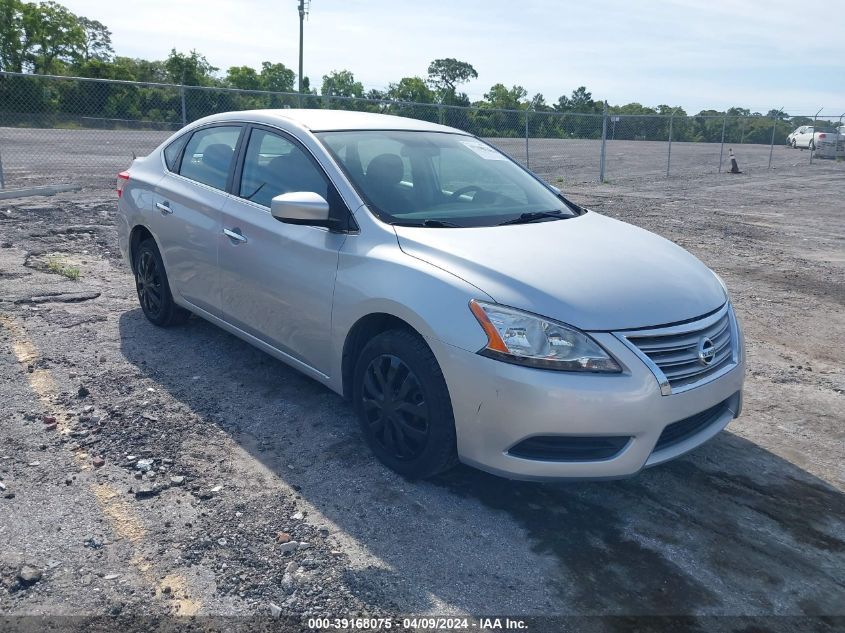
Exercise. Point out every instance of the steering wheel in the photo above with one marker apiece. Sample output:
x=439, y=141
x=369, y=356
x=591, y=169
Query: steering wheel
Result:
x=457, y=194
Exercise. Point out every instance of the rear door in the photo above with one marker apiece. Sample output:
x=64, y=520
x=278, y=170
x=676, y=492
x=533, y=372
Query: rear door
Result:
x=187, y=213
x=276, y=279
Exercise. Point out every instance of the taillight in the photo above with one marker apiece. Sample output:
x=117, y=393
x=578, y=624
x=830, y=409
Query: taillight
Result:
x=122, y=177
x=822, y=135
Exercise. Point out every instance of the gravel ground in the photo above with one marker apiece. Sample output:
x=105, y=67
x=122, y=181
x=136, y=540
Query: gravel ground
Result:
x=94, y=157
x=150, y=472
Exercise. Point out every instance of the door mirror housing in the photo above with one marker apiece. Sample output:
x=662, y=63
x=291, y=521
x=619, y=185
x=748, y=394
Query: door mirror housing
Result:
x=301, y=207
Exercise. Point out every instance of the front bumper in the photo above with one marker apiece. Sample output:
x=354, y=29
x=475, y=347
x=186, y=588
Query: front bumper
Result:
x=498, y=405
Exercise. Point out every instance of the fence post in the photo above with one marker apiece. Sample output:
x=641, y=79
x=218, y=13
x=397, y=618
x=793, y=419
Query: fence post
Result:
x=440, y=114
x=813, y=142
x=527, y=163
x=839, y=137
x=3, y=180
x=722, y=147
x=669, y=153
x=184, y=109
x=742, y=133
x=603, y=142
x=774, y=127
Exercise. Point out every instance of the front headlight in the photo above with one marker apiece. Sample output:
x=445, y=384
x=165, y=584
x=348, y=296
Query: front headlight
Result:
x=522, y=338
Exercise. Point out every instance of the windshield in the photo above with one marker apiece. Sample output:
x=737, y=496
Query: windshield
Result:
x=439, y=179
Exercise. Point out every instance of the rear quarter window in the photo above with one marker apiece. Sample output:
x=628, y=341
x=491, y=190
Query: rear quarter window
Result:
x=173, y=151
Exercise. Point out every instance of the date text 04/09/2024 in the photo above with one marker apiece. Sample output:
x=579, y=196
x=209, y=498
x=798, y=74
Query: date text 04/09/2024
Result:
x=417, y=623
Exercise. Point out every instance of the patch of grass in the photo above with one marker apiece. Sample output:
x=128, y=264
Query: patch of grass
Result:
x=58, y=266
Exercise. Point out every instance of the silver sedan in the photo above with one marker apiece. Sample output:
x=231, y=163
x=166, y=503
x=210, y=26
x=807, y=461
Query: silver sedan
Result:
x=469, y=311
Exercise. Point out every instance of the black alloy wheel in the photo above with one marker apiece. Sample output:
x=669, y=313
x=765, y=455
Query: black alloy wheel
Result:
x=148, y=283
x=403, y=405
x=153, y=288
x=395, y=407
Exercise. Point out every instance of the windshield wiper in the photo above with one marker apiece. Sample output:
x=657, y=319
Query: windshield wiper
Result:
x=435, y=224
x=533, y=216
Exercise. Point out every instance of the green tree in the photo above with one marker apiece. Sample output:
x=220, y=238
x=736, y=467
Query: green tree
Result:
x=141, y=69
x=412, y=89
x=445, y=75
x=375, y=94
x=341, y=83
x=14, y=38
x=55, y=34
x=538, y=103
x=243, y=77
x=490, y=120
x=97, y=40
x=503, y=98
x=192, y=69
x=581, y=101
x=279, y=78
x=632, y=108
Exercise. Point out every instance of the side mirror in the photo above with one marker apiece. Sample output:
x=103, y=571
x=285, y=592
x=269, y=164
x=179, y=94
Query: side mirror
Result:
x=301, y=207
x=556, y=191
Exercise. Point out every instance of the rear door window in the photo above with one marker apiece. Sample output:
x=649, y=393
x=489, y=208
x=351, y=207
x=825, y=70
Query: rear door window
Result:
x=209, y=155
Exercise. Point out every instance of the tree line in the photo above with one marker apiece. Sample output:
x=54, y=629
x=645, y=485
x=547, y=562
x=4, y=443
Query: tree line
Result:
x=46, y=38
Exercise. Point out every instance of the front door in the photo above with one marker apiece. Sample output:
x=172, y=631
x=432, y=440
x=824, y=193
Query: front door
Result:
x=276, y=279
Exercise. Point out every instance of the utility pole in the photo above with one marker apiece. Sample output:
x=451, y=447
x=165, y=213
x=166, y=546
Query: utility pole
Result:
x=303, y=11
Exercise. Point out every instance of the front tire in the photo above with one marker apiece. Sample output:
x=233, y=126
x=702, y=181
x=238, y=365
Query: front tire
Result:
x=153, y=288
x=403, y=405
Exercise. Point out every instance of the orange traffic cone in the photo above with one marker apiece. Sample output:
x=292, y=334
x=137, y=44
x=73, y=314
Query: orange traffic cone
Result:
x=734, y=166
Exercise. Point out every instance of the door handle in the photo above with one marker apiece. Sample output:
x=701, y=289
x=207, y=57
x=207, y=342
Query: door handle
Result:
x=164, y=207
x=235, y=235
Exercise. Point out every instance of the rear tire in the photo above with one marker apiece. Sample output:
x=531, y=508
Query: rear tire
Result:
x=153, y=288
x=403, y=405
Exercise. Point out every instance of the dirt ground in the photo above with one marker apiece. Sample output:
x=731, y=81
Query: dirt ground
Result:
x=232, y=485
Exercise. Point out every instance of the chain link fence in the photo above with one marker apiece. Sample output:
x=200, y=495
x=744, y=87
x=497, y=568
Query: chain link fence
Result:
x=83, y=131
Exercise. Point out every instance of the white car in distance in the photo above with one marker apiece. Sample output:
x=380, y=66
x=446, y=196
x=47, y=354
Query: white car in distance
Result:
x=812, y=137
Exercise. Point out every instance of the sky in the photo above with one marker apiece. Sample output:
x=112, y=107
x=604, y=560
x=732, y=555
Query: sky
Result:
x=698, y=54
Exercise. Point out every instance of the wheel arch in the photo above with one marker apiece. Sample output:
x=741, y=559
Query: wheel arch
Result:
x=364, y=330
x=139, y=234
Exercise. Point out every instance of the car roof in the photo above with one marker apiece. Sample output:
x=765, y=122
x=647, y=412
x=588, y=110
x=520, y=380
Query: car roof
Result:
x=327, y=120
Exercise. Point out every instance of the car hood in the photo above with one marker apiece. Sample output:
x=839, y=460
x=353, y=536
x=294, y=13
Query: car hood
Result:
x=591, y=271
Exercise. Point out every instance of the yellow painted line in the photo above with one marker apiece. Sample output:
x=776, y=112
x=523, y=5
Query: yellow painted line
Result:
x=40, y=380
x=122, y=517
x=120, y=514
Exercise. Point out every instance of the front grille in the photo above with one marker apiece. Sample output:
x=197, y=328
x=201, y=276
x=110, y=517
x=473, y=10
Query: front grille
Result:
x=561, y=448
x=682, y=429
x=673, y=353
